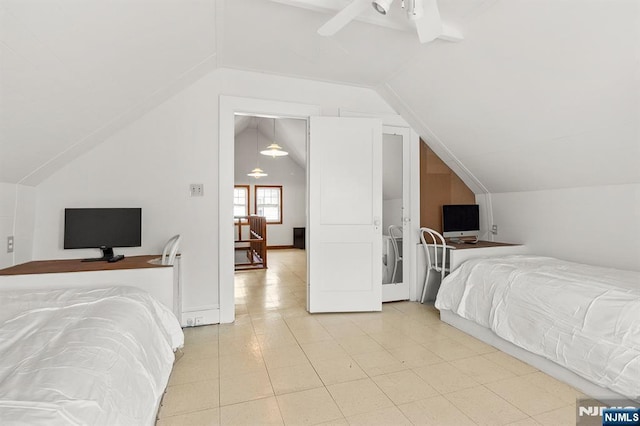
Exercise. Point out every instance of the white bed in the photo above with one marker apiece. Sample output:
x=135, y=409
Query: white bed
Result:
x=583, y=318
x=84, y=356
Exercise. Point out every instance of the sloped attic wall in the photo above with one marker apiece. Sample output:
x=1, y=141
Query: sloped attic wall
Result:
x=151, y=163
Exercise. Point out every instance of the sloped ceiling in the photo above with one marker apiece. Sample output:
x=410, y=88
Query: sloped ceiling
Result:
x=540, y=94
x=289, y=133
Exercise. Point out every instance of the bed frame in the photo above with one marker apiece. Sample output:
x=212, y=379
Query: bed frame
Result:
x=537, y=361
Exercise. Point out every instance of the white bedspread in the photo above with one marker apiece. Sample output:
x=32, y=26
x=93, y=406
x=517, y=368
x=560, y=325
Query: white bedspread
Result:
x=583, y=317
x=84, y=356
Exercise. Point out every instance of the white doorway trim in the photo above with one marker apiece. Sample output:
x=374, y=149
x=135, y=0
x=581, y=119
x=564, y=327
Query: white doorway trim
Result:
x=228, y=107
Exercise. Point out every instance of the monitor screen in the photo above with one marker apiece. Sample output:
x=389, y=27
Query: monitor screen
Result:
x=96, y=228
x=462, y=220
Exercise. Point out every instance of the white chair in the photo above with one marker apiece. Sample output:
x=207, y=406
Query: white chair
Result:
x=170, y=250
x=395, y=233
x=435, y=262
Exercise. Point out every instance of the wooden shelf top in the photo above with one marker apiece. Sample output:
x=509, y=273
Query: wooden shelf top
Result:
x=480, y=244
x=77, y=265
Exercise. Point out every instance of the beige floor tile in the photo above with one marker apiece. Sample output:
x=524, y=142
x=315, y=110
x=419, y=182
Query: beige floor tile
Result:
x=204, y=334
x=559, y=417
x=245, y=387
x=197, y=418
x=193, y=370
x=338, y=370
x=485, y=407
x=269, y=325
x=274, y=340
x=415, y=355
x=201, y=350
x=527, y=397
x=322, y=350
x=392, y=339
x=259, y=412
x=557, y=388
x=336, y=422
x=510, y=363
x=284, y=356
x=427, y=334
x=241, y=363
x=359, y=344
x=445, y=378
x=436, y=411
x=358, y=396
x=238, y=345
x=380, y=362
x=344, y=330
x=304, y=322
x=449, y=349
x=294, y=378
x=308, y=407
x=476, y=345
x=527, y=422
x=481, y=369
x=182, y=399
x=311, y=335
x=383, y=417
x=404, y=387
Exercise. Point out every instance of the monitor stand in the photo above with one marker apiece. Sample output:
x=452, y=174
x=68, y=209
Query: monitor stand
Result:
x=107, y=256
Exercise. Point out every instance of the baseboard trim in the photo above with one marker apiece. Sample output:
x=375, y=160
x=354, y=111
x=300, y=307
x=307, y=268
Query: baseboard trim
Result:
x=205, y=317
x=279, y=247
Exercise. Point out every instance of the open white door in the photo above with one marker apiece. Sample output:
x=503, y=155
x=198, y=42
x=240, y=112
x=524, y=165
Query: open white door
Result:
x=345, y=211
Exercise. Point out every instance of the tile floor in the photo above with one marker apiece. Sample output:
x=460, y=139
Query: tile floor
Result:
x=277, y=364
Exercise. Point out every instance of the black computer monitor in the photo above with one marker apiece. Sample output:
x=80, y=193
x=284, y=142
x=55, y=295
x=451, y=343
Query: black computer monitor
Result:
x=460, y=220
x=103, y=228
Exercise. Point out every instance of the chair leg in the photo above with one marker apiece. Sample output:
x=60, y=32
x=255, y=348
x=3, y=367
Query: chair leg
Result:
x=424, y=288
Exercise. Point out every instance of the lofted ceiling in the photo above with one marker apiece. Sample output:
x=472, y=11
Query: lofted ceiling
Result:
x=539, y=94
x=289, y=133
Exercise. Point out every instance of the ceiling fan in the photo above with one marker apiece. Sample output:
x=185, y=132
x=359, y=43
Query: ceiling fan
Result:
x=423, y=13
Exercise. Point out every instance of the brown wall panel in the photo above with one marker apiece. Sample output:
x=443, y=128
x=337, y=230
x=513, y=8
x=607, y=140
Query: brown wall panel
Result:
x=439, y=185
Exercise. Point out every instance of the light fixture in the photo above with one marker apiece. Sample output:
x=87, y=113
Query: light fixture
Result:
x=257, y=172
x=382, y=6
x=274, y=149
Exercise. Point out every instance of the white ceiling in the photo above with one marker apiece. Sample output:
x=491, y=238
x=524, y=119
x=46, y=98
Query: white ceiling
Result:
x=539, y=94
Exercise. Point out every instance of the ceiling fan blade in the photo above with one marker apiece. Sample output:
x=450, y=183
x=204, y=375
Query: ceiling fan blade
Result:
x=342, y=18
x=428, y=24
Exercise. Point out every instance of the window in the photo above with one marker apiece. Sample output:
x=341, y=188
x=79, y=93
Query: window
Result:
x=241, y=200
x=269, y=202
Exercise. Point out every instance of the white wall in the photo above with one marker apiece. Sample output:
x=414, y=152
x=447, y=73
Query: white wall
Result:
x=17, y=211
x=282, y=171
x=151, y=163
x=597, y=225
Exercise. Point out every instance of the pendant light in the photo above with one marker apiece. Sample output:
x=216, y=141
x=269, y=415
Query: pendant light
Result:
x=274, y=149
x=257, y=172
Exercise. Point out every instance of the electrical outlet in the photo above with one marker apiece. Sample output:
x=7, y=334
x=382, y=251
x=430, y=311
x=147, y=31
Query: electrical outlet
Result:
x=197, y=189
x=494, y=229
x=10, y=244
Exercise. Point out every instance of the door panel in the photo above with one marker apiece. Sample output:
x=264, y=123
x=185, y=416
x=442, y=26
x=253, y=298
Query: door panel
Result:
x=345, y=211
x=396, y=196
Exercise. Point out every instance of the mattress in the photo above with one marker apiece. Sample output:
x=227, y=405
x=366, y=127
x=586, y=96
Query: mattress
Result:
x=583, y=317
x=84, y=356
